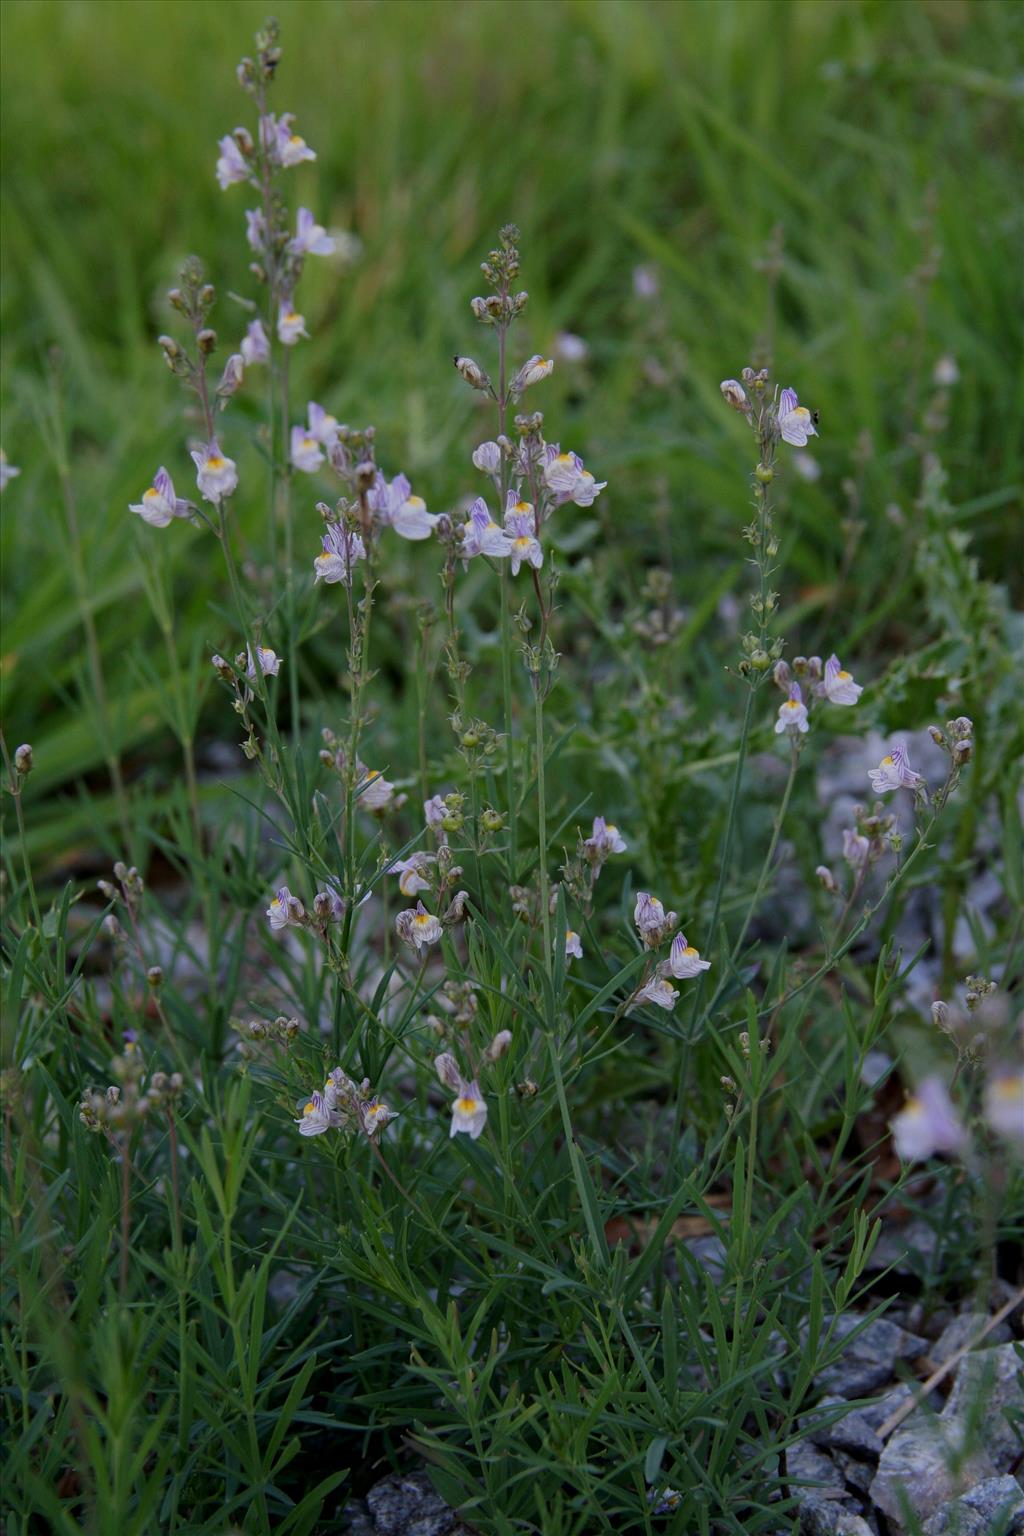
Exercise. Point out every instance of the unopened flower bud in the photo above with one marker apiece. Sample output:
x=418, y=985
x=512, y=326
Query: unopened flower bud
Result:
x=936, y=736
x=940, y=1014
x=221, y=667
x=206, y=341
x=480, y=311
x=176, y=299
x=111, y=927
x=231, y=378
x=734, y=394
x=782, y=676
x=527, y=1089
x=23, y=760
x=366, y=474
x=800, y=665
x=106, y=889
x=825, y=876
x=243, y=138
x=499, y=1045
x=962, y=751
x=472, y=373
x=456, y=912
x=155, y=976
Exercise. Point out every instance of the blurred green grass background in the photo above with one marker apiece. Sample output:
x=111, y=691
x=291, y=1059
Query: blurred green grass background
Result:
x=877, y=137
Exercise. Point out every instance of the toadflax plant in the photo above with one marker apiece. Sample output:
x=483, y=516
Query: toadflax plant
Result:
x=493, y=1061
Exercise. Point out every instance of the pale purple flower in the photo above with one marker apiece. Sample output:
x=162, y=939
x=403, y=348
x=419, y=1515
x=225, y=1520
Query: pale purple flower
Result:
x=160, y=504
x=342, y=550
x=434, y=813
x=839, y=686
x=664, y=1500
x=282, y=146
x=340, y=1089
x=216, y=475
x=604, y=840
x=1004, y=1106
x=894, y=772
x=322, y=425
x=570, y=347
x=656, y=991
x=255, y=347
x=270, y=662
x=255, y=229
x=7, y=471
x=375, y=1116
x=469, y=1111
x=285, y=910
x=928, y=1123
x=792, y=714
x=946, y=373
x=306, y=453
x=417, y=927
x=394, y=506
x=487, y=458
x=328, y=905
x=290, y=325
x=231, y=163
x=482, y=535
x=568, y=480
x=412, y=872
x=807, y=468
x=375, y=791
x=856, y=848
x=311, y=239
x=646, y=283
x=524, y=547
x=684, y=961
x=315, y=1116
x=573, y=947
x=533, y=371
x=651, y=919
x=794, y=421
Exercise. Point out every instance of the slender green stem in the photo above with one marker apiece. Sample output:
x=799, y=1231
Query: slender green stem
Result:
x=542, y=824
x=506, y=696
x=184, y=733
x=23, y=841
x=285, y=494
x=769, y=858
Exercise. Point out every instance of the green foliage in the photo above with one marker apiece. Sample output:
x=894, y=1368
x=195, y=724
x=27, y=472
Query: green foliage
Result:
x=211, y=1323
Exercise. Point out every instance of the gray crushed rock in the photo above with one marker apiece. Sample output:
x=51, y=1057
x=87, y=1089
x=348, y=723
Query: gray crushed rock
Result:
x=989, y=1393
x=926, y=1463
x=961, y=1331
x=994, y=1507
x=869, y=1361
x=404, y=1504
